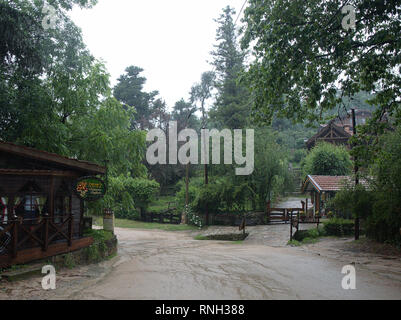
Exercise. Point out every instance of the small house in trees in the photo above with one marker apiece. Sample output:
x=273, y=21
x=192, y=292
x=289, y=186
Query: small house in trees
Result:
x=339, y=130
x=40, y=213
x=323, y=188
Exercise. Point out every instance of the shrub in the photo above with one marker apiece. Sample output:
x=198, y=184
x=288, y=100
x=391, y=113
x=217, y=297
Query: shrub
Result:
x=210, y=196
x=193, y=190
x=327, y=159
x=302, y=235
x=193, y=219
x=143, y=192
x=339, y=227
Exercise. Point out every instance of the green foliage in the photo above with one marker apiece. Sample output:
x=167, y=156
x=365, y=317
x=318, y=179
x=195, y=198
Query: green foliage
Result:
x=232, y=106
x=384, y=224
x=328, y=160
x=99, y=235
x=129, y=91
x=193, y=219
x=305, y=236
x=294, y=243
x=208, y=196
x=128, y=197
x=299, y=155
x=69, y=261
x=352, y=202
x=306, y=61
x=143, y=191
x=380, y=204
x=339, y=227
x=271, y=176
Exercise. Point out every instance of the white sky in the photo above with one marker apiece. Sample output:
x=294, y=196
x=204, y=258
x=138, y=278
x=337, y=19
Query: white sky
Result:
x=171, y=40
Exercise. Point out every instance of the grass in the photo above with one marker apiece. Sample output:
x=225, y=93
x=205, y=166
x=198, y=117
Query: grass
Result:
x=131, y=224
x=99, y=235
x=307, y=237
x=200, y=238
x=232, y=238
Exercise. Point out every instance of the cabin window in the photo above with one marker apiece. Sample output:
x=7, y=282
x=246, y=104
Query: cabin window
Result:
x=31, y=203
x=62, y=206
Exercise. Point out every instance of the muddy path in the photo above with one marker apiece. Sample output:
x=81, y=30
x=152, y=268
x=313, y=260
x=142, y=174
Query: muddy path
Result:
x=155, y=264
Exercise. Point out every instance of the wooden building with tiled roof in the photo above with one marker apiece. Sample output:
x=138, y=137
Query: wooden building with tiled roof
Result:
x=323, y=188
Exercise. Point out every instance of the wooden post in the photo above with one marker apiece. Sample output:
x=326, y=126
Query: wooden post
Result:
x=51, y=200
x=356, y=170
x=291, y=228
x=15, y=237
x=307, y=204
x=46, y=235
x=70, y=230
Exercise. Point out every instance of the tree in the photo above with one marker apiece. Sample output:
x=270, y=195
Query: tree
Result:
x=385, y=222
x=202, y=92
x=129, y=90
x=24, y=42
x=327, y=160
x=184, y=113
x=45, y=72
x=304, y=56
x=231, y=109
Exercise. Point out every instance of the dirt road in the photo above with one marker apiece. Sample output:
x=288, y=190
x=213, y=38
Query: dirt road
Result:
x=171, y=265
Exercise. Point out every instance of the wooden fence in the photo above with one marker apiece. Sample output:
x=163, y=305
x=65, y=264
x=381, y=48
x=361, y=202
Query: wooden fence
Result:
x=19, y=234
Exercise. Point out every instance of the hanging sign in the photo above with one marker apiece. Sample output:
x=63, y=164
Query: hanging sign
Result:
x=90, y=188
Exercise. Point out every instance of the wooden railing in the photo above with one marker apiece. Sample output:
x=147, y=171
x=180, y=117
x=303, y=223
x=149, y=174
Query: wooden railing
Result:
x=26, y=234
x=282, y=214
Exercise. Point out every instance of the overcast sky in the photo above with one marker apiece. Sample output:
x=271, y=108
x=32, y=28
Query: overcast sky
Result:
x=171, y=40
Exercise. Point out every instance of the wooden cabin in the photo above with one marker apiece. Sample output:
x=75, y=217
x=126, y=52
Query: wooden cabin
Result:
x=339, y=130
x=323, y=188
x=40, y=214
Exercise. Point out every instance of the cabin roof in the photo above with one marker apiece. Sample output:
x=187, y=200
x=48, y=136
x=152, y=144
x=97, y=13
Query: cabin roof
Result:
x=324, y=134
x=51, y=159
x=328, y=183
x=325, y=183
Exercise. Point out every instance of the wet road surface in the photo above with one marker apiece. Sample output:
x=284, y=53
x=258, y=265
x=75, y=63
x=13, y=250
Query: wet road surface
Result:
x=171, y=265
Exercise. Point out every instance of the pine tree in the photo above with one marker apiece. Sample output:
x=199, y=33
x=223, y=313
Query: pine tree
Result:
x=231, y=108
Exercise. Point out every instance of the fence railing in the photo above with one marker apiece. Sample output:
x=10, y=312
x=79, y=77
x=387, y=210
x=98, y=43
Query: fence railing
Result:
x=19, y=234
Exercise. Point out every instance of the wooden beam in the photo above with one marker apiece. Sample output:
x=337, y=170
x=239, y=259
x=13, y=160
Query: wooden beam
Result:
x=38, y=173
x=34, y=254
x=51, y=157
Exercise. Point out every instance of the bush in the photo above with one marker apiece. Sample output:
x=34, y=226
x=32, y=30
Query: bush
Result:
x=192, y=218
x=384, y=223
x=210, y=196
x=193, y=189
x=302, y=235
x=143, y=192
x=327, y=159
x=339, y=227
